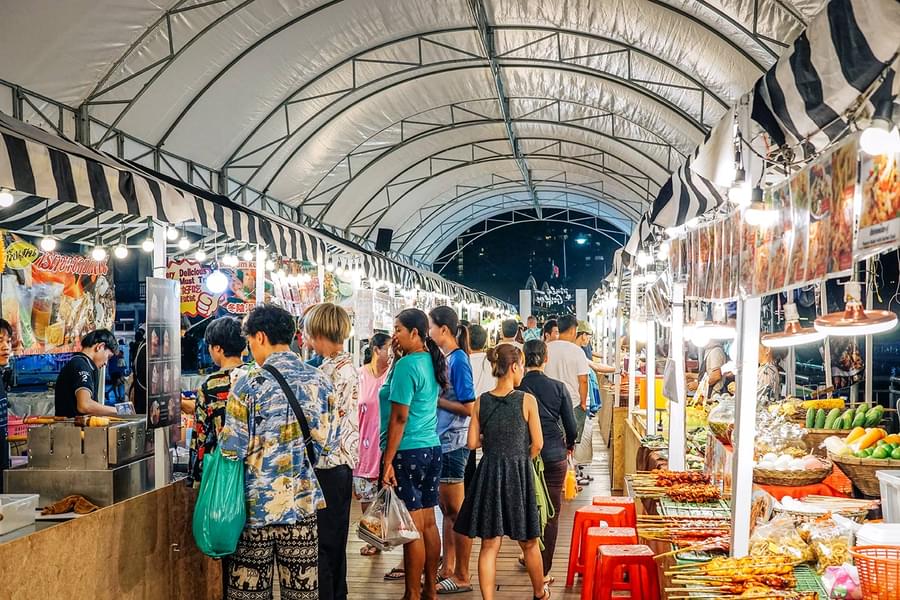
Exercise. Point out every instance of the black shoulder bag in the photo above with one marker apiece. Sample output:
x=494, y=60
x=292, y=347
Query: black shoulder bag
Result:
x=298, y=412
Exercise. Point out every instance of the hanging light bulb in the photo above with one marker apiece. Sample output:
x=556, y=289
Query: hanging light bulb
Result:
x=216, y=282
x=759, y=214
x=339, y=269
x=855, y=320
x=172, y=234
x=329, y=266
x=147, y=244
x=247, y=255
x=229, y=259
x=663, y=252
x=644, y=259
x=98, y=253
x=48, y=242
x=740, y=192
x=121, y=249
x=281, y=272
x=881, y=136
x=270, y=265
x=719, y=328
x=6, y=198
x=200, y=255
x=184, y=244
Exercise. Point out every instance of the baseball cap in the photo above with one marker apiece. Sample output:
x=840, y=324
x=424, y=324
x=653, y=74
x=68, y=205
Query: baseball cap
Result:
x=584, y=327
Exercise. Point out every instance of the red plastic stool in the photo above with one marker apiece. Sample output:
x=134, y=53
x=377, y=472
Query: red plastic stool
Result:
x=585, y=518
x=626, y=502
x=643, y=578
x=593, y=539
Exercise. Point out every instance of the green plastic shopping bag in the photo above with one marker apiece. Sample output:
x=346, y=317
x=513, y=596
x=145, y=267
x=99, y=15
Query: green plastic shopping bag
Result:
x=221, y=510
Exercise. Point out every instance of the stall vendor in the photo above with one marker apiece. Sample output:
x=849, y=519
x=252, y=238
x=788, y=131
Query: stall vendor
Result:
x=768, y=379
x=6, y=336
x=78, y=381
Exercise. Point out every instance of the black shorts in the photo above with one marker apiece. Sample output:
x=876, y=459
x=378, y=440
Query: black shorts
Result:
x=418, y=474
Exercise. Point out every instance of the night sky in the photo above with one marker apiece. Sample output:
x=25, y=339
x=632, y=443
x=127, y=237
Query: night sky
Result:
x=500, y=262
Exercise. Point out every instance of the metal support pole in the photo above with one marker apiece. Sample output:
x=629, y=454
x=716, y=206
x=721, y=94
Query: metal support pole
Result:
x=651, y=375
x=677, y=405
x=854, y=389
x=260, y=276
x=829, y=380
x=790, y=372
x=632, y=344
x=162, y=460
x=870, y=354
x=744, y=424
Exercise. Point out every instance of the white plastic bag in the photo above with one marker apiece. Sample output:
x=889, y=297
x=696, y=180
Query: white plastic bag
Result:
x=387, y=523
x=584, y=451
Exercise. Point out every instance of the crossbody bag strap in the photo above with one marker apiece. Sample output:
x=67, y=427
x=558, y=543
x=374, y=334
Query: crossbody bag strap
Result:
x=298, y=412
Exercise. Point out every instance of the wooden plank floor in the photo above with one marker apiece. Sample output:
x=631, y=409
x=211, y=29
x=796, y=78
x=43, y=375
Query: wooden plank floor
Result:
x=365, y=577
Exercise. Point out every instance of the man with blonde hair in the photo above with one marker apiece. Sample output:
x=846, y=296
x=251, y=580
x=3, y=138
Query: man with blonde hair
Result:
x=327, y=327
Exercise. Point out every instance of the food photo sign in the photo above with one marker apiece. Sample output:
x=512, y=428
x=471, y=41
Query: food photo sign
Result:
x=51, y=299
x=163, y=353
x=879, y=219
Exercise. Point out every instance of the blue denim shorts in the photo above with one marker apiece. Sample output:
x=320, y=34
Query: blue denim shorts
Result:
x=418, y=474
x=453, y=465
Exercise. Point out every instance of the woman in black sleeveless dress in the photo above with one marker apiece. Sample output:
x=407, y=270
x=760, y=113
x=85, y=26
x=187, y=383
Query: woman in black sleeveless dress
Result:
x=501, y=499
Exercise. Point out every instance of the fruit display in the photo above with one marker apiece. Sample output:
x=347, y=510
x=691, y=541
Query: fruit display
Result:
x=872, y=442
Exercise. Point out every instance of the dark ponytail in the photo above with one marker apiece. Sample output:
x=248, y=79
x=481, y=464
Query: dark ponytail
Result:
x=415, y=320
x=444, y=316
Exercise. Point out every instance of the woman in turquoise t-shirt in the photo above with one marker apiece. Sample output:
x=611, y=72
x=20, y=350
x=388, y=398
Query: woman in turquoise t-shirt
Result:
x=411, y=459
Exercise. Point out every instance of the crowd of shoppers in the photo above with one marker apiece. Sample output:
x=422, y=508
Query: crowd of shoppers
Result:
x=410, y=417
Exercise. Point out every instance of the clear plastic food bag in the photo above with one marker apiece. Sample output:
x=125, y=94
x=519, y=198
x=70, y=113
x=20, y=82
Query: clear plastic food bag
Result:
x=387, y=523
x=779, y=537
x=829, y=541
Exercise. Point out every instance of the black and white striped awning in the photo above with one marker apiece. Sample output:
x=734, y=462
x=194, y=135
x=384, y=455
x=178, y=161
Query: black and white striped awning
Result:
x=641, y=233
x=804, y=103
x=74, y=177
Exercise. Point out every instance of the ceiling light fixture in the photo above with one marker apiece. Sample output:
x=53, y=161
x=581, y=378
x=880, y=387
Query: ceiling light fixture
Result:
x=172, y=233
x=881, y=136
x=216, y=282
x=121, y=249
x=6, y=198
x=794, y=334
x=855, y=320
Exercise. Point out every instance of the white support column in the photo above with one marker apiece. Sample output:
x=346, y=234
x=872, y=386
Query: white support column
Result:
x=651, y=375
x=162, y=470
x=744, y=424
x=790, y=372
x=632, y=345
x=870, y=354
x=260, y=276
x=677, y=405
x=829, y=381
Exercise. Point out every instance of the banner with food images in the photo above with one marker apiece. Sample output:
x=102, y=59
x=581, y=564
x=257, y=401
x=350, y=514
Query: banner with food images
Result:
x=799, y=229
x=844, y=173
x=197, y=302
x=879, y=219
x=52, y=299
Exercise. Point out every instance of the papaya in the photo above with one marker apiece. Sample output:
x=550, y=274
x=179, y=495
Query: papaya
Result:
x=847, y=419
x=874, y=416
x=820, y=419
x=810, y=418
x=832, y=416
x=859, y=419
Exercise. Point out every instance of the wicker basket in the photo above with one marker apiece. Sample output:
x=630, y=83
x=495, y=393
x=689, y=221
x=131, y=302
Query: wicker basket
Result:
x=791, y=478
x=861, y=471
x=803, y=517
x=813, y=438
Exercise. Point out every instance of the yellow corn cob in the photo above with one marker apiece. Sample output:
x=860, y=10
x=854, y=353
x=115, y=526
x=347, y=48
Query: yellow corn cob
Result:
x=826, y=403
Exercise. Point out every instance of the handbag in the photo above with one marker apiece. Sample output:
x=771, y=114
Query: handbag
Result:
x=221, y=510
x=542, y=495
x=298, y=412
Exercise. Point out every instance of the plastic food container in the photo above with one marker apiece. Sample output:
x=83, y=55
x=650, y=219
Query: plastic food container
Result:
x=889, y=481
x=17, y=511
x=878, y=534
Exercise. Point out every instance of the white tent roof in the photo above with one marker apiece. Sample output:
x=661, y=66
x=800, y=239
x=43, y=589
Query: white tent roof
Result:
x=385, y=113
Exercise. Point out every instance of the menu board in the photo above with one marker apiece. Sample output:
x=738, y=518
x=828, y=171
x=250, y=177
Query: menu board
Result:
x=799, y=232
x=844, y=173
x=364, y=314
x=747, y=257
x=879, y=222
x=821, y=191
x=52, y=299
x=163, y=353
x=779, y=242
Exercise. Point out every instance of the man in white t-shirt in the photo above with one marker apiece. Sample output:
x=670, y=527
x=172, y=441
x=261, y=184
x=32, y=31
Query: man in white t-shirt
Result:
x=508, y=330
x=567, y=363
x=482, y=375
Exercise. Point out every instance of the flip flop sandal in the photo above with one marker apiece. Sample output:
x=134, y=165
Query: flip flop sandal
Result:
x=521, y=562
x=395, y=574
x=448, y=586
x=368, y=550
x=546, y=595
x=550, y=580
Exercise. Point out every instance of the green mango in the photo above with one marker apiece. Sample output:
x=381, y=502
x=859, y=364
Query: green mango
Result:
x=881, y=452
x=895, y=454
x=832, y=417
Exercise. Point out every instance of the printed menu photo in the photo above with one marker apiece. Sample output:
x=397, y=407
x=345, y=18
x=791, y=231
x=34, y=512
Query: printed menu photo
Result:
x=799, y=229
x=879, y=223
x=163, y=353
x=821, y=192
x=844, y=172
x=779, y=241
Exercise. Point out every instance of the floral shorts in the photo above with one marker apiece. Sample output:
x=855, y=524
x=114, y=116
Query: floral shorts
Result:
x=364, y=488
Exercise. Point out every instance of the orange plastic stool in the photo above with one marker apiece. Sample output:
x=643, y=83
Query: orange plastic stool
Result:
x=626, y=502
x=643, y=578
x=585, y=518
x=593, y=539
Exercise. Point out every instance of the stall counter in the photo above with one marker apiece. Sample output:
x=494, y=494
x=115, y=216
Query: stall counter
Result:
x=140, y=548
